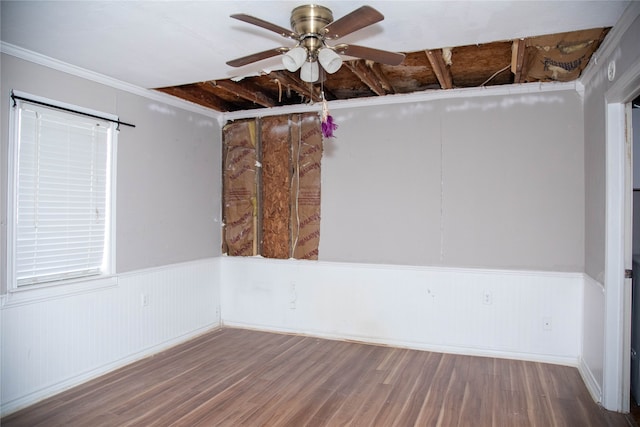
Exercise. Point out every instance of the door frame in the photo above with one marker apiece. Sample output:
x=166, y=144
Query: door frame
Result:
x=617, y=334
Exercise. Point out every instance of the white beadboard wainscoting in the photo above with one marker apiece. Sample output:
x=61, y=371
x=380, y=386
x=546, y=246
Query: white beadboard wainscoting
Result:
x=50, y=344
x=511, y=314
x=54, y=343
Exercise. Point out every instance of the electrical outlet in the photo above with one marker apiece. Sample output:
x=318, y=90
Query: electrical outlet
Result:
x=144, y=300
x=487, y=298
x=546, y=323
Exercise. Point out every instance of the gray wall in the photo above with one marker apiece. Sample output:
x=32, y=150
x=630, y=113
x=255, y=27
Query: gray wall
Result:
x=169, y=186
x=490, y=181
x=168, y=174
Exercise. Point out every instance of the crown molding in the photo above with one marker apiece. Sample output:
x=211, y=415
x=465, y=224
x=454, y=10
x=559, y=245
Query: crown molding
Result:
x=55, y=64
x=430, y=95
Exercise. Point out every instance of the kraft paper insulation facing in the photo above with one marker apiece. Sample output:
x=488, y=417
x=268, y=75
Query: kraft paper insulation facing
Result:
x=305, y=189
x=276, y=182
x=273, y=210
x=560, y=57
x=240, y=189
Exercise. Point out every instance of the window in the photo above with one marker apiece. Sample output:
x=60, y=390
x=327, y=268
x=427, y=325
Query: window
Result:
x=60, y=195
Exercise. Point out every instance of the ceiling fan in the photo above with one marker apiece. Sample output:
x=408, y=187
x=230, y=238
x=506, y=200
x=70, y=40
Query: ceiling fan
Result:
x=313, y=26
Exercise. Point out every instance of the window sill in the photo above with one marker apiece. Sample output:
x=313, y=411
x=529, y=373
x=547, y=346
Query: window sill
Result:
x=38, y=293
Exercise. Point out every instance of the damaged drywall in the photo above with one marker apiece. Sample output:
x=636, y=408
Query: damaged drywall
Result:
x=272, y=186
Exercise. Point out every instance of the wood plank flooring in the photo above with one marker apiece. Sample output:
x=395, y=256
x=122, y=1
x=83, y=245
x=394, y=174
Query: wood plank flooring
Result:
x=236, y=377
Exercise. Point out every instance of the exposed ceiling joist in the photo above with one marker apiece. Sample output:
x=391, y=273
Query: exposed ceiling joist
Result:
x=239, y=90
x=198, y=96
x=382, y=78
x=368, y=77
x=517, y=59
x=440, y=68
x=292, y=81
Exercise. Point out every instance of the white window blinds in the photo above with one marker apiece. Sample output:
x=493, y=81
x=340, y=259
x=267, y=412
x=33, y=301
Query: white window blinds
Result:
x=62, y=195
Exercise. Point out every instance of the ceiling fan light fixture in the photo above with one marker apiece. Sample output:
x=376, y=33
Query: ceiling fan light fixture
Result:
x=312, y=27
x=330, y=61
x=295, y=58
x=310, y=72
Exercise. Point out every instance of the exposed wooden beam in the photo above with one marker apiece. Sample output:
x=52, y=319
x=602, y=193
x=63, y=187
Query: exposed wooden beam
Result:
x=517, y=59
x=290, y=80
x=441, y=70
x=367, y=76
x=208, y=100
x=239, y=90
x=382, y=77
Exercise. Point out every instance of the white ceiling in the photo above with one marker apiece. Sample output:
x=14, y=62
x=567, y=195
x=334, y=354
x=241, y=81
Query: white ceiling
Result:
x=155, y=44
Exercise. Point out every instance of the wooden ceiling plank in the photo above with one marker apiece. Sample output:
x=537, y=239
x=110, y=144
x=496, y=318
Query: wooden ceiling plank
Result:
x=441, y=70
x=367, y=76
x=224, y=95
x=209, y=100
x=239, y=90
x=517, y=59
x=300, y=87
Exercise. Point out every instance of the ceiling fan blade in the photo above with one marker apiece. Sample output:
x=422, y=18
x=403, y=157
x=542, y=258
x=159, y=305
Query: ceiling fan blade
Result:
x=356, y=20
x=375, y=55
x=254, y=57
x=264, y=24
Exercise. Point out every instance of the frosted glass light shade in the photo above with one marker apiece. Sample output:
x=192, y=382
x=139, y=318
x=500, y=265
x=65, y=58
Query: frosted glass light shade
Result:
x=294, y=59
x=329, y=60
x=310, y=72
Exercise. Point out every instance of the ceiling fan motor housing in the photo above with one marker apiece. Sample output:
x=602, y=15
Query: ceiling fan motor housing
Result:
x=308, y=21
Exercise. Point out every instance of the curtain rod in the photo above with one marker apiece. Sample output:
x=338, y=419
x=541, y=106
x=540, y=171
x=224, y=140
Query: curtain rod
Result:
x=118, y=122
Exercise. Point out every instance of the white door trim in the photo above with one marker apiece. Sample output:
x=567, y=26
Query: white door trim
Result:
x=616, y=375
x=614, y=366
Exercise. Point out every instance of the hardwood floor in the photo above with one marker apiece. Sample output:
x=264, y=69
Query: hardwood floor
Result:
x=235, y=377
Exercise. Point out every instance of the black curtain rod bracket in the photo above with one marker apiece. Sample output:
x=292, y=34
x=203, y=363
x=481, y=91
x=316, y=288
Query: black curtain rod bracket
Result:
x=33, y=101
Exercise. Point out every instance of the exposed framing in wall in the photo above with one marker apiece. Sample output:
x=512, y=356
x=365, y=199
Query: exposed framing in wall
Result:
x=271, y=186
